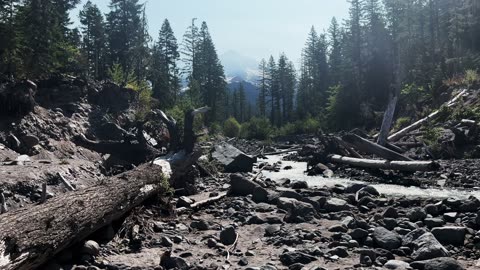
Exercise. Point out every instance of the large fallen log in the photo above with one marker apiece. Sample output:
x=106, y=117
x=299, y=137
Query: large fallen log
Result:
x=385, y=164
x=369, y=147
x=398, y=135
x=30, y=236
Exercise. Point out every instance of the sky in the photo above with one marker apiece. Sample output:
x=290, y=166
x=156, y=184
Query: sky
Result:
x=253, y=28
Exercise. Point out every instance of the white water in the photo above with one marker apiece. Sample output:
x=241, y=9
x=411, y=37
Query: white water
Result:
x=298, y=169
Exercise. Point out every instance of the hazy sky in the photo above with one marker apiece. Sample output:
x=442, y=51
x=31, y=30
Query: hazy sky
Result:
x=254, y=28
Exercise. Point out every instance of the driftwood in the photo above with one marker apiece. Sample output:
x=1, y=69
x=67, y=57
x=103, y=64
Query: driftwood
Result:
x=369, y=147
x=385, y=164
x=398, y=135
x=200, y=204
x=282, y=151
x=30, y=236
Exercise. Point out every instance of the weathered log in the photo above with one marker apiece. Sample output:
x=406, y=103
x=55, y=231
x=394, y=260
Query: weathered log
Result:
x=385, y=164
x=200, y=204
x=398, y=135
x=369, y=147
x=31, y=236
x=295, y=149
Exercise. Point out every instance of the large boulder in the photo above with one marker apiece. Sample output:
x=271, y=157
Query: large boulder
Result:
x=443, y=263
x=386, y=239
x=425, y=245
x=336, y=205
x=450, y=235
x=241, y=186
x=232, y=159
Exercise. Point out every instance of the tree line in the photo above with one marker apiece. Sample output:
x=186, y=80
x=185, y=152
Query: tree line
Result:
x=36, y=39
x=386, y=48
x=346, y=77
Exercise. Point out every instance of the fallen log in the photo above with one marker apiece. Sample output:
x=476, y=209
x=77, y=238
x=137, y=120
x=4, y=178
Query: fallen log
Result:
x=295, y=149
x=369, y=147
x=200, y=204
x=385, y=164
x=398, y=135
x=31, y=236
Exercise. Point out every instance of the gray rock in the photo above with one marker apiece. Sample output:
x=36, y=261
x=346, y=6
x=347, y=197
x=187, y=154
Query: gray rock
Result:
x=241, y=186
x=390, y=212
x=359, y=233
x=443, y=263
x=425, y=245
x=450, y=216
x=271, y=230
x=232, y=159
x=177, y=263
x=260, y=194
x=434, y=222
x=450, y=235
x=91, y=248
x=417, y=214
x=297, y=211
x=30, y=140
x=228, y=236
x=386, y=239
x=293, y=257
x=166, y=241
x=184, y=201
x=431, y=209
x=338, y=228
x=367, y=191
x=200, y=225
x=336, y=205
x=339, y=251
x=299, y=185
x=397, y=265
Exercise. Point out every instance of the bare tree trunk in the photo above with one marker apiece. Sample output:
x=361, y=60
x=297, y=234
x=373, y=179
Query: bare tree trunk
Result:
x=387, y=120
x=369, y=147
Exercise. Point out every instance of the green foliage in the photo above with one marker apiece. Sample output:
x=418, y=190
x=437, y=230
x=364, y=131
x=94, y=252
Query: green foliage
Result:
x=307, y=126
x=120, y=77
x=402, y=122
x=257, y=128
x=431, y=138
x=412, y=93
x=231, y=127
x=471, y=77
x=464, y=112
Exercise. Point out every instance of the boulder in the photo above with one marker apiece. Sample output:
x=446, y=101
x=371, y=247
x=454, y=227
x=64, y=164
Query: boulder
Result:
x=232, y=159
x=241, y=186
x=417, y=214
x=443, y=263
x=450, y=235
x=297, y=211
x=386, y=239
x=91, y=248
x=425, y=245
x=397, y=265
x=336, y=205
x=293, y=257
x=228, y=236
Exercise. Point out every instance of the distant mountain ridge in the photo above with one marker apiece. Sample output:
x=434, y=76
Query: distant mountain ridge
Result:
x=251, y=91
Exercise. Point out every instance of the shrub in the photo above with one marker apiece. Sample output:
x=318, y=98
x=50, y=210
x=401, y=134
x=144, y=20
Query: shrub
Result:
x=471, y=77
x=231, y=127
x=307, y=126
x=402, y=122
x=257, y=128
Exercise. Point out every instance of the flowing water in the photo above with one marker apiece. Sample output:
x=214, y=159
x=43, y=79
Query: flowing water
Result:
x=297, y=173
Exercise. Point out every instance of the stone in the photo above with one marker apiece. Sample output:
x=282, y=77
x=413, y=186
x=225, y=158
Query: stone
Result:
x=367, y=191
x=91, y=248
x=336, y=205
x=211, y=243
x=450, y=235
x=386, y=239
x=425, y=245
x=241, y=186
x=296, y=266
x=417, y=214
x=166, y=241
x=184, y=201
x=200, y=225
x=443, y=263
x=30, y=141
x=477, y=219
x=232, y=159
x=359, y=233
x=339, y=251
x=397, y=265
x=271, y=230
x=434, y=222
x=338, y=228
x=390, y=212
x=299, y=185
x=260, y=195
x=243, y=262
x=177, y=263
x=431, y=209
x=297, y=211
x=293, y=257
x=450, y=216
x=228, y=236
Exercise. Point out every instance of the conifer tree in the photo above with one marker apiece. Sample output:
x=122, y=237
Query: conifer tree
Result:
x=263, y=88
x=93, y=31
